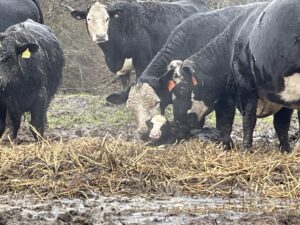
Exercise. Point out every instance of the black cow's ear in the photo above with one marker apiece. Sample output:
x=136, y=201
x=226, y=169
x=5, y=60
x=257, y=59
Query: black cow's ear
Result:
x=115, y=13
x=26, y=49
x=118, y=98
x=188, y=68
x=166, y=80
x=2, y=36
x=167, y=76
x=79, y=15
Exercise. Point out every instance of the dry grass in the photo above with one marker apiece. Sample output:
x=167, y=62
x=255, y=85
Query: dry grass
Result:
x=83, y=166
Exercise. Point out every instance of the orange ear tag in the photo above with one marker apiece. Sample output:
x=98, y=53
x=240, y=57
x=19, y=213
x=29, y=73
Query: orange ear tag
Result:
x=194, y=81
x=171, y=85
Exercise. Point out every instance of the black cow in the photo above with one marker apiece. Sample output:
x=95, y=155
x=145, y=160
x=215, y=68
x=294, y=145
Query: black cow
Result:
x=16, y=11
x=149, y=97
x=135, y=30
x=254, y=62
x=31, y=62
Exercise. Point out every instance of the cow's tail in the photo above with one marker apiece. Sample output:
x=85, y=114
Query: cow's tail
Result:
x=37, y=3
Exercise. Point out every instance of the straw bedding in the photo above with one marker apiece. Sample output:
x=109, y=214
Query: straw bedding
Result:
x=112, y=166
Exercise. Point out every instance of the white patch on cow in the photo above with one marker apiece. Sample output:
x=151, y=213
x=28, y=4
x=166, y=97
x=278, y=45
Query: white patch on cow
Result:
x=175, y=63
x=173, y=97
x=198, y=107
x=158, y=121
x=145, y=104
x=127, y=67
x=266, y=108
x=97, y=22
x=291, y=90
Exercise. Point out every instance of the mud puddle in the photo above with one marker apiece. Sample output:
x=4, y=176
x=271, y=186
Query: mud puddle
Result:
x=146, y=210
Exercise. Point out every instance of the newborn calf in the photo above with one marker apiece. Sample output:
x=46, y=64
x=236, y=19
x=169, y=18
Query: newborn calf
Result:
x=164, y=132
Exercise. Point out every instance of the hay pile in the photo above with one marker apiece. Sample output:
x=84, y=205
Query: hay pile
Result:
x=84, y=166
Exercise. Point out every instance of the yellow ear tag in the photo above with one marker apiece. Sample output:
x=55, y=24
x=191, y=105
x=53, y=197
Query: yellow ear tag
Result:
x=26, y=54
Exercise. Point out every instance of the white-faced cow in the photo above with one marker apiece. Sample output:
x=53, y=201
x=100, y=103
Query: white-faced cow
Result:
x=255, y=62
x=149, y=97
x=31, y=62
x=134, y=30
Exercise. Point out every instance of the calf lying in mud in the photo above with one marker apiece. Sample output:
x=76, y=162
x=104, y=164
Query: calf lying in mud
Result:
x=163, y=132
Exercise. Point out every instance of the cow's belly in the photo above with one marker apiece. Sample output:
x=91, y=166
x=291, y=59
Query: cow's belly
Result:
x=266, y=108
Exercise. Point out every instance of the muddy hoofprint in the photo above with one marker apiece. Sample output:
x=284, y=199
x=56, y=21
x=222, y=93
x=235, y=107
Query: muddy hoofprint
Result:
x=186, y=39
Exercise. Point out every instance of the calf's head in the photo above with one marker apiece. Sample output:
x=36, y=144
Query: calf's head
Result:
x=15, y=51
x=158, y=126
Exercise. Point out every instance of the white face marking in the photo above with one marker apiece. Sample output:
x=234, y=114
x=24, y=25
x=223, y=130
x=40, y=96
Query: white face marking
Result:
x=266, y=108
x=97, y=22
x=175, y=65
x=158, y=121
x=198, y=107
x=127, y=67
x=291, y=90
x=145, y=104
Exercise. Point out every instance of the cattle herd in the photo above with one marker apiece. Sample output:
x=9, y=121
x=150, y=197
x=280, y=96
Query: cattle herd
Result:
x=184, y=53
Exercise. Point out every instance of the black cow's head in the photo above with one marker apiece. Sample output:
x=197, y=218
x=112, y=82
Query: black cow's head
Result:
x=15, y=50
x=187, y=95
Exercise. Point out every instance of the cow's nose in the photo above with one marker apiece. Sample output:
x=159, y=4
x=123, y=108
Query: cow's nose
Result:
x=98, y=38
x=154, y=135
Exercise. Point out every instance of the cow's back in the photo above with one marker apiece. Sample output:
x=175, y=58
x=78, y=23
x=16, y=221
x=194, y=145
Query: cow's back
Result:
x=49, y=59
x=16, y=11
x=160, y=18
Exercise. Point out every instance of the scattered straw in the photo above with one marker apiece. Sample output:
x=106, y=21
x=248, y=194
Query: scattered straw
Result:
x=83, y=166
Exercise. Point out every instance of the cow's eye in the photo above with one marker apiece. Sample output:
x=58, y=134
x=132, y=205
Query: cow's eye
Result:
x=107, y=19
x=157, y=103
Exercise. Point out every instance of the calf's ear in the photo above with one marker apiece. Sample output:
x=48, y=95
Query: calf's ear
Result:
x=29, y=47
x=79, y=15
x=118, y=98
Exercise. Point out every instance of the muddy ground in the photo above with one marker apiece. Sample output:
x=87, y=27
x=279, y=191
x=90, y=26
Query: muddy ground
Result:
x=83, y=115
x=139, y=210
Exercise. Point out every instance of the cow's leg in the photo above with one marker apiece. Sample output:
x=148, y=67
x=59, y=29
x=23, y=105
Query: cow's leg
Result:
x=281, y=121
x=125, y=80
x=249, y=105
x=3, y=111
x=38, y=112
x=298, y=133
x=14, y=122
x=225, y=111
